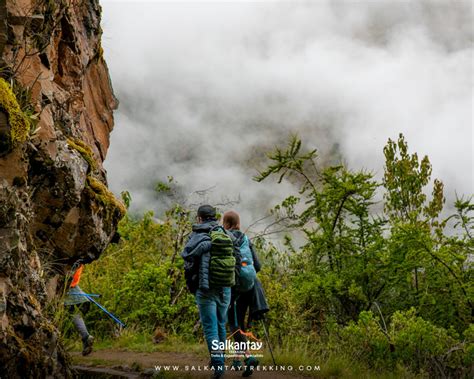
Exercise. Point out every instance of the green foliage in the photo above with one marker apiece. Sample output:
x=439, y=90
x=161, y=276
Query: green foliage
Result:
x=290, y=163
x=410, y=341
x=464, y=217
x=405, y=178
x=355, y=260
x=375, y=285
x=366, y=341
x=345, y=244
x=416, y=340
x=155, y=302
x=164, y=187
x=141, y=278
x=469, y=345
x=126, y=198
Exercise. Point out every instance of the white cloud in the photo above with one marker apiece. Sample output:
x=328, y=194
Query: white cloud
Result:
x=207, y=88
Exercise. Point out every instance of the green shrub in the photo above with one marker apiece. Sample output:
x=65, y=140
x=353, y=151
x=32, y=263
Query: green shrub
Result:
x=366, y=341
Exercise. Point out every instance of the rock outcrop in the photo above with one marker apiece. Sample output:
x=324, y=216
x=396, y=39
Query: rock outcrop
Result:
x=56, y=114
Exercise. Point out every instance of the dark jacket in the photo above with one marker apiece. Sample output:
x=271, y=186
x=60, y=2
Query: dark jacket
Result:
x=238, y=235
x=258, y=305
x=197, y=255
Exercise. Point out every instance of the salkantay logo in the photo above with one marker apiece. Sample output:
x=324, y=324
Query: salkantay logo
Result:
x=236, y=348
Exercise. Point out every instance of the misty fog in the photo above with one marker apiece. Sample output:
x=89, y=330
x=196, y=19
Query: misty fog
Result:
x=206, y=89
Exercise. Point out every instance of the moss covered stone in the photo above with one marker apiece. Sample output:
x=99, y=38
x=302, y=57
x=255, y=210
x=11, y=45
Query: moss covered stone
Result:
x=19, y=123
x=105, y=197
x=84, y=150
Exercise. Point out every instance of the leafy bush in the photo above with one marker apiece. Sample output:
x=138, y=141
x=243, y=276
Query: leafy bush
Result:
x=389, y=285
x=367, y=341
x=141, y=278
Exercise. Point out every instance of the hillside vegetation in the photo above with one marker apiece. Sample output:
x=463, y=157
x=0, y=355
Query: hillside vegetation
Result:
x=384, y=286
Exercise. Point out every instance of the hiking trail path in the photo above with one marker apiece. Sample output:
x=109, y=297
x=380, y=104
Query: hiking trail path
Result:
x=118, y=363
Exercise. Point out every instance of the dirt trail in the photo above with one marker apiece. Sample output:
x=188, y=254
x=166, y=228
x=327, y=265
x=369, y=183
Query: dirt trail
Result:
x=133, y=363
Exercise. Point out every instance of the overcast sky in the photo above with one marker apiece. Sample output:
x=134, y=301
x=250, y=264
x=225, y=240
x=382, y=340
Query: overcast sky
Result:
x=207, y=88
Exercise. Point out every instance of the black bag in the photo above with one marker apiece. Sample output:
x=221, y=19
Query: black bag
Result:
x=191, y=274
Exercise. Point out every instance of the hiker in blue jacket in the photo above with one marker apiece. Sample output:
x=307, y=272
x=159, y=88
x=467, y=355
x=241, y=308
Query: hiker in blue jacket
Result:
x=207, y=244
x=243, y=292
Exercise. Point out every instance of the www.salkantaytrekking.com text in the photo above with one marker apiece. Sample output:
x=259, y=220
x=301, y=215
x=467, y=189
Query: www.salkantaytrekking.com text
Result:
x=263, y=368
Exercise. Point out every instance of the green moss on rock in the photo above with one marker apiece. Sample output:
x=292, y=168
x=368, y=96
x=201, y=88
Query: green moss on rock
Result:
x=19, y=122
x=84, y=150
x=105, y=197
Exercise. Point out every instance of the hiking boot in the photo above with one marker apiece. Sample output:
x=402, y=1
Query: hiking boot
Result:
x=87, y=345
x=250, y=364
x=237, y=364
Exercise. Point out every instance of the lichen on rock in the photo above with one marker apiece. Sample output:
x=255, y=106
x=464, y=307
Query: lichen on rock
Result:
x=106, y=198
x=18, y=121
x=84, y=150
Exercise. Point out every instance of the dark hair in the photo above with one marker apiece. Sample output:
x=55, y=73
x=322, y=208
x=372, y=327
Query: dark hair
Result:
x=207, y=212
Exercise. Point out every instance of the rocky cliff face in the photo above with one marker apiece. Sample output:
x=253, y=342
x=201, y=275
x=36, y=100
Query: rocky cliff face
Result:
x=56, y=105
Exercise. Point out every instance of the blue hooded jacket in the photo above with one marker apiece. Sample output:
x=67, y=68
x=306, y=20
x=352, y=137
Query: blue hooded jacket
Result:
x=198, y=252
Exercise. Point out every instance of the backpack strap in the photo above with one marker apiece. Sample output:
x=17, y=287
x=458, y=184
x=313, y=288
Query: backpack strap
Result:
x=231, y=236
x=240, y=240
x=217, y=227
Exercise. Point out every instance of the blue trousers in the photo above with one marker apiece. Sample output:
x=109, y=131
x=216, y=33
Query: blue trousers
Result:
x=213, y=305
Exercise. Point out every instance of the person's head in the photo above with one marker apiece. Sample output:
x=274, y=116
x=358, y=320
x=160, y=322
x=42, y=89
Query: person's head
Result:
x=206, y=213
x=231, y=220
